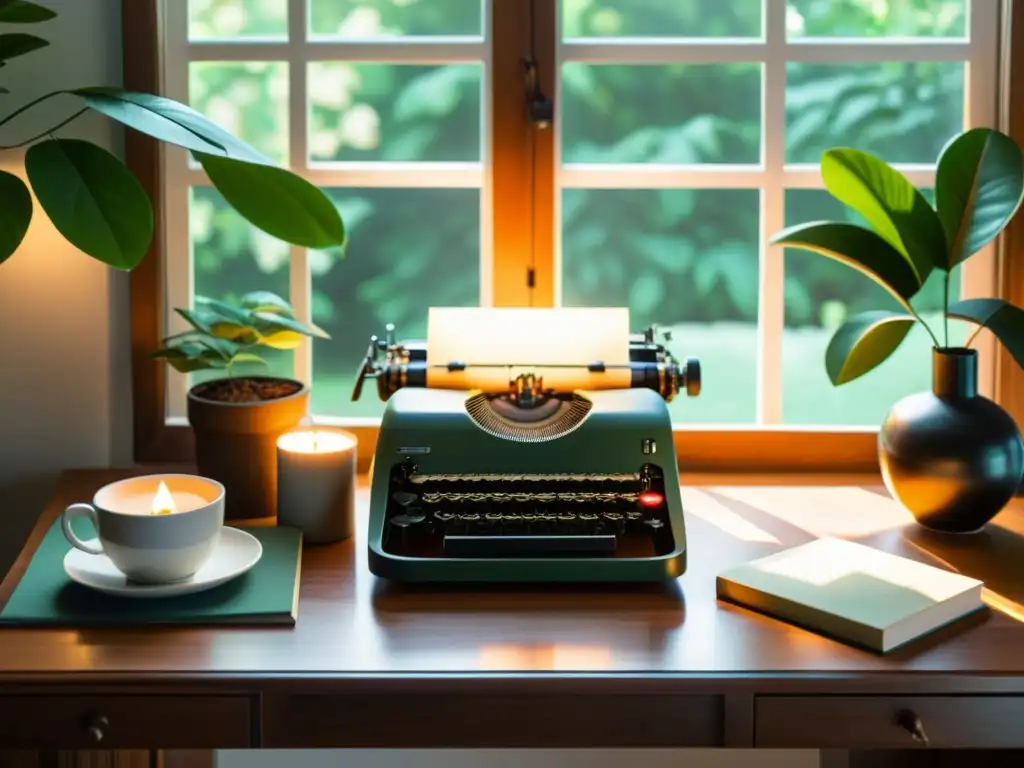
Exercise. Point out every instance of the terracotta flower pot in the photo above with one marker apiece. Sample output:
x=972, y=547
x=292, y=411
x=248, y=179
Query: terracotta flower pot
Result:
x=236, y=423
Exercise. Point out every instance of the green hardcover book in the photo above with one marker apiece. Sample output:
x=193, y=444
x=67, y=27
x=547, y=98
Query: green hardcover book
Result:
x=266, y=595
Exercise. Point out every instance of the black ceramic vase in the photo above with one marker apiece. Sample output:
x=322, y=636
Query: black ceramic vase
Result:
x=952, y=457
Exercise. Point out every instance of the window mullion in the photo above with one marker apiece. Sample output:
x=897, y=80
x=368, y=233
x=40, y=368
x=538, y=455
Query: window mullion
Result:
x=299, y=280
x=178, y=268
x=511, y=163
x=771, y=277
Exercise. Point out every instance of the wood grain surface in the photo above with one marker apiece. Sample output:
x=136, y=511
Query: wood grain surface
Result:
x=353, y=624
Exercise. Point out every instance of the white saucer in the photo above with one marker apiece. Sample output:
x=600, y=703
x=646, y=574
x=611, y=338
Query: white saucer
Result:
x=236, y=552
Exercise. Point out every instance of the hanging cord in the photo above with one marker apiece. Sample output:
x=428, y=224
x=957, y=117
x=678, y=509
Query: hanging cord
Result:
x=539, y=115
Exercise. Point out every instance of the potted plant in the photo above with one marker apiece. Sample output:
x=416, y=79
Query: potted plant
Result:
x=96, y=203
x=951, y=456
x=238, y=419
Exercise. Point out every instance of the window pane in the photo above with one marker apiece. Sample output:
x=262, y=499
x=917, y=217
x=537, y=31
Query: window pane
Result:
x=820, y=295
x=247, y=99
x=876, y=18
x=408, y=250
x=686, y=260
x=902, y=112
x=233, y=19
x=394, y=112
x=661, y=18
x=390, y=18
x=230, y=257
x=686, y=113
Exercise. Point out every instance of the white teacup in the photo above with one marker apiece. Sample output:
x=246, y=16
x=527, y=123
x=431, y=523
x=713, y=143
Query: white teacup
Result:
x=146, y=547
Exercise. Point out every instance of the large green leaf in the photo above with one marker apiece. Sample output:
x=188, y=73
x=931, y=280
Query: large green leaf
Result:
x=15, y=213
x=889, y=203
x=863, y=342
x=18, y=44
x=23, y=12
x=1002, y=318
x=92, y=199
x=168, y=121
x=276, y=201
x=859, y=248
x=979, y=186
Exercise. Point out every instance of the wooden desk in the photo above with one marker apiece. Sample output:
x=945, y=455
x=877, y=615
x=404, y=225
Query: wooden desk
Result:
x=375, y=664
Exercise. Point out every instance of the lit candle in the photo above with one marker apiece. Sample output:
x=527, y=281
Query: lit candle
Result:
x=316, y=483
x=160, y=494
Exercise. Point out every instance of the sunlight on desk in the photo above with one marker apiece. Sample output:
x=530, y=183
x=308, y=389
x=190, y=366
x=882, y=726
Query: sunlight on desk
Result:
x=539, y=658
x=699, y=504
x=829, y=560
x=823, y=511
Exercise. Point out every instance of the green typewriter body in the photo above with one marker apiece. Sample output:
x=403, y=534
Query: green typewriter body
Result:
x=526, y=485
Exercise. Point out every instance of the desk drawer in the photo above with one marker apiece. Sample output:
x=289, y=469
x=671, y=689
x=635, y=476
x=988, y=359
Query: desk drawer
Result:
x=888, y=722
x=477, y=719
x=54, y=721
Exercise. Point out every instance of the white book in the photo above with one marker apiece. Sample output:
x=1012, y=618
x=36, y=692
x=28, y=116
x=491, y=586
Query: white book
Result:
x=852, y=592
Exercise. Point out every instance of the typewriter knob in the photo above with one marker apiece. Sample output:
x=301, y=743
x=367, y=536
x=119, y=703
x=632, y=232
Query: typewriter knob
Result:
x=689, y=376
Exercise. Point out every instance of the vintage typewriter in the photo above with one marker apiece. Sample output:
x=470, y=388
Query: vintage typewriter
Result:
x=545, y=465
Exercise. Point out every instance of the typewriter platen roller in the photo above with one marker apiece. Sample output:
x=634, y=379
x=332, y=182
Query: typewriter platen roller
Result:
x=517, y=479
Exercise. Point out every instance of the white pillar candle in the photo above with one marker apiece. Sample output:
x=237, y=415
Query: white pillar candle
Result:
x=316, y=483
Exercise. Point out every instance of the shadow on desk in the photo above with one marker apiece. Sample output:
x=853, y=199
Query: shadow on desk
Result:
x=994, y=556
x=664, y=598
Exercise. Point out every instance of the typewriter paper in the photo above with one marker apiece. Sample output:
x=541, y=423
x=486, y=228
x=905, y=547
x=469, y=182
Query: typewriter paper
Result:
x=556, y=344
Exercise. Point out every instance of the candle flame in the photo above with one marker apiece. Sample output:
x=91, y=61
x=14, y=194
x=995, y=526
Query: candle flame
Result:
x=163, y=502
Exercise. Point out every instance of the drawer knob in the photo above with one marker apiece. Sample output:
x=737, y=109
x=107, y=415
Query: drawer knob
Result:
x=97, y=728
x=911, y=723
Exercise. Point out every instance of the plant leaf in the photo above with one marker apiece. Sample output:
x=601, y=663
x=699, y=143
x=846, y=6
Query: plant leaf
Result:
x=979, y=186
x=271, y=322
x=265, y=301
x=23, y=12
x=857, y=247
x=92, y=199
x=282, y=339
x=864, y=342
x=15, y=213
x=277, y=202
x=1001, y=317
x=184, y=364
x=17, y=44
x=247, y=357
x=890, y=203
x=169, y=121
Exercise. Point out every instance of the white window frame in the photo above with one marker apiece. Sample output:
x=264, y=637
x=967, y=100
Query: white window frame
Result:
x=979, y=50
x=300, y=50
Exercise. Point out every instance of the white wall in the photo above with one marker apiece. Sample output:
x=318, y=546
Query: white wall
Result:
x=65, y=396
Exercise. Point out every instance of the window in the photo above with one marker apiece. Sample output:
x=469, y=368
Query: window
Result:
x=684, y=135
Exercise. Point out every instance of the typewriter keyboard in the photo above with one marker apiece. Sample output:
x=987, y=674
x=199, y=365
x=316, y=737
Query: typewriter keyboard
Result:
x=527, y=515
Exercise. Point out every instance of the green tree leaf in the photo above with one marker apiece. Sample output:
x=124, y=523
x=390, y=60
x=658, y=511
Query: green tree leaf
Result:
x=23, y=12
x=277, y=202
x=857, y=247
x=15, y=213
x=889, y=203
x=979, y=186
x=169, y=121
x=863, y=342
x=1001, y=317
x=18, y=44
x=92, y=199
